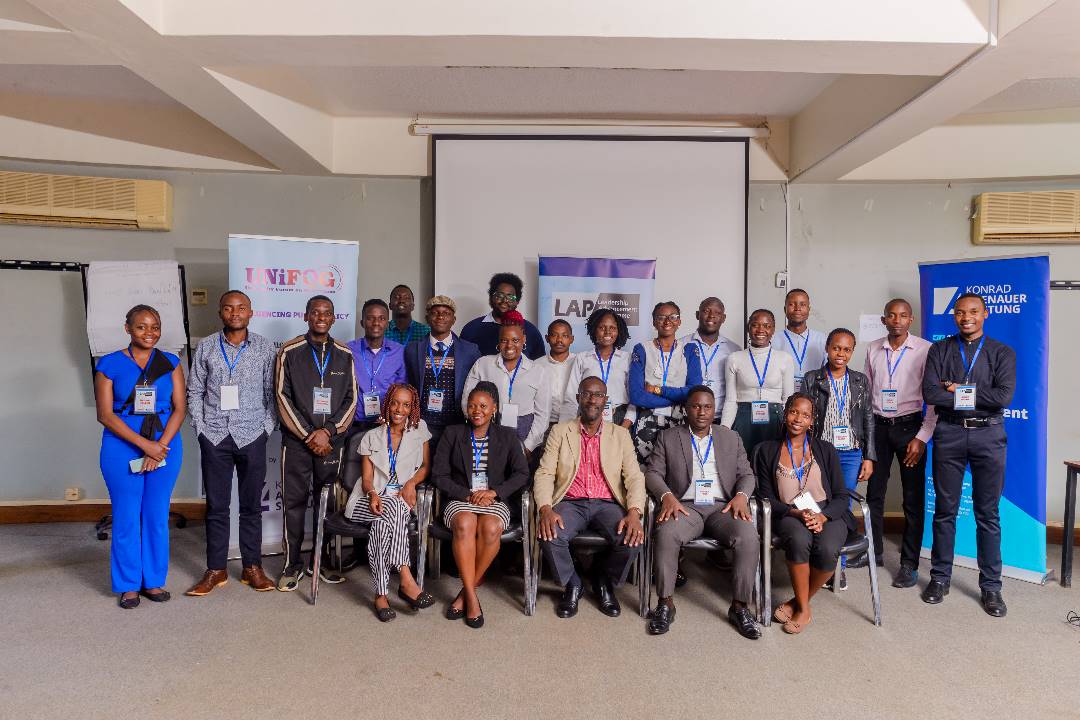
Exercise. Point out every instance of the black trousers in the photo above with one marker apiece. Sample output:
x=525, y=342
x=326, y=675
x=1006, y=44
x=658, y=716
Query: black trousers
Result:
x=218, y=463
x=303, y=475
x=891, y=441
x=600, y=516
x=956, y=447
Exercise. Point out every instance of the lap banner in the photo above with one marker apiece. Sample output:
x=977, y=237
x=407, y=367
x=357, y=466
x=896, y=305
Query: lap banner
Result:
x=1017, y=294
x=571, y=288
x=279, y=275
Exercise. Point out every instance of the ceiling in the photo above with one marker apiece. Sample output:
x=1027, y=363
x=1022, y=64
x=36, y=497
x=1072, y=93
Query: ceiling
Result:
x=848, y=90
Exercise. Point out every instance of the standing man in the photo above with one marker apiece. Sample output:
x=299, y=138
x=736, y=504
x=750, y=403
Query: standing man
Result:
x=504, y=294
x=804, y=344
x=969, y=380
x=437, y=365
x=315, y=384
x=894, y=365
x=713, y=349
x=560, y=336
x=403, y=330
x=378, y=363
x=231, y=402
x=589, y=479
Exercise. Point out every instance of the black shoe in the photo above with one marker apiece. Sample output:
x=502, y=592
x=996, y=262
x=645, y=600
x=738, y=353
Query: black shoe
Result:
x=127, y=603
x=422, y=601
x=680, y=578
x=385, y=614
x=743, y=621
x=859, y=561
x=993, y=603
x=605, y=595
x=351, y=563
x=660, y=619
x=935, y=592
x=905, y=577
x=158, y=597
x=453, y=613
x=476, y=622
x=567, y=607
x=326, y=574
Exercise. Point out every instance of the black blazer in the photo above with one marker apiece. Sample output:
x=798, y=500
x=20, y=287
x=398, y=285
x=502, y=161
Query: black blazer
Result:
x=837, y=496
x=507, y=470
x=465, y=354
x=816, y=384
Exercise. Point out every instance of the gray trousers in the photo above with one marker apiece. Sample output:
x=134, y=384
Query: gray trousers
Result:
x=739, y=535
x=602, y=517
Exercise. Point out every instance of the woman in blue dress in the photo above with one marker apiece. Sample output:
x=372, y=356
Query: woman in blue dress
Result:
x=141, y=401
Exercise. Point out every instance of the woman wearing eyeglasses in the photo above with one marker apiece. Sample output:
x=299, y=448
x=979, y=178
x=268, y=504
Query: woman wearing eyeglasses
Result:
x=504, y=294
x=661, y=374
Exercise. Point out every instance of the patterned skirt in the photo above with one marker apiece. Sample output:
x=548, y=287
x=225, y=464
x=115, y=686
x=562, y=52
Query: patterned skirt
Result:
x=497, y=508
x=648, y=426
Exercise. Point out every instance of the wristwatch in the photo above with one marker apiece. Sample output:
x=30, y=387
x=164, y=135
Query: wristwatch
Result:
x=656, y=389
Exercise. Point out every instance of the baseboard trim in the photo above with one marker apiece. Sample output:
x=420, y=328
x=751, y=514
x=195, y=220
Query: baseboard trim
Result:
x=1055, y=532
x=83, y=511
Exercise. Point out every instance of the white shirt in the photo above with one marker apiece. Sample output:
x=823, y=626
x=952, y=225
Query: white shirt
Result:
x=531, y=394
x=448, y=342
x=742, y=381
x=713, y=375
x=813, y=341
x=709, y=473
x=557, y=374
x=410, y=456
x=585, y=364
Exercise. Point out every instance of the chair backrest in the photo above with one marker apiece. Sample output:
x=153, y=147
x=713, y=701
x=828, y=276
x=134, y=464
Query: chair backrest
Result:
x=350, y=468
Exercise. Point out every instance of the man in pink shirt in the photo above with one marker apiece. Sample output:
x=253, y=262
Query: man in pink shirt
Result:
x=895, y=366
x=589, y=479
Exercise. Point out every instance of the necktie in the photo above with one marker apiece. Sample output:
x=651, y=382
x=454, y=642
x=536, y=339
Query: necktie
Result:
x=440, y=347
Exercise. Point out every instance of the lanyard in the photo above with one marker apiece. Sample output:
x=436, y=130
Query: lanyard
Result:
x=701, y=460
x=806, y=344
x=666, y=365
x=843, y=395
x=889, y=363
x=393, y=455
x=712, y=355
x=231, y=365
x=760, y=375
x=142, y=377
x=605, y=372
x=513, y=377
x=431, y=356
x=320, y=367
x=372, y=373
x=968, y=366
x=477, y=449
x=802, y=466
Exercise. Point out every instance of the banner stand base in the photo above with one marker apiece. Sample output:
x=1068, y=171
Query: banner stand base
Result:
x=1031, y=576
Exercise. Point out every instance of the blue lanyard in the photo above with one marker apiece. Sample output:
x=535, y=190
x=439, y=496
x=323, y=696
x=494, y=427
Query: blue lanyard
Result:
x=510, y=389
x=367, y=368
x=321, y=368
x=477, y=449
x=605, y=372
x=843, y=395
x=802, y=467
x=431, y=356
x=666, y=365
x=142, y=377
x=701, y=460
x=806, y=344
x=760, y=375
x=968, y=366
x=889, y=364
x=236, y=360
x=393, y=455
x=701, y=348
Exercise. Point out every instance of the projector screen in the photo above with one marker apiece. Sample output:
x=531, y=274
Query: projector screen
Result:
x=502, y=201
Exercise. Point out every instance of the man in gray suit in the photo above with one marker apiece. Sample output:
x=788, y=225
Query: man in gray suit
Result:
x=703, y=481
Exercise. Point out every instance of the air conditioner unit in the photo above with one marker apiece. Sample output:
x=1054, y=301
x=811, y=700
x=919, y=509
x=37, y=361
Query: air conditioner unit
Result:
x=87, y=202
x=1026, y=218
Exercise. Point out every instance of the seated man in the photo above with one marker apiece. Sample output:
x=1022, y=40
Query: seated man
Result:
x=589, y=479
x=703, y=481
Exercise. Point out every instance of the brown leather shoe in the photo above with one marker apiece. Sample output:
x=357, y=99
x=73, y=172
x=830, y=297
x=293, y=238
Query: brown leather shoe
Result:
x=210, y=580
x=254, y=576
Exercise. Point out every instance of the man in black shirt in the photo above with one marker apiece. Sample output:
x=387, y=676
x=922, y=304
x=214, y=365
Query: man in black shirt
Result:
x=969, y=379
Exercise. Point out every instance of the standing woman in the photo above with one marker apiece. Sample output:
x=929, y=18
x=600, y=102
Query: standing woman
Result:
x=607, y=361
x=757, y=382
x=141, y=401
x=800, y=476
x=479, y=467
x=394, y=463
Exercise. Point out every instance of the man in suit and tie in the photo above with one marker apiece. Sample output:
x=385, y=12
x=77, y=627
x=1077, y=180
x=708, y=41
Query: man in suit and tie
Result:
x=703, y=481
x=589, y=479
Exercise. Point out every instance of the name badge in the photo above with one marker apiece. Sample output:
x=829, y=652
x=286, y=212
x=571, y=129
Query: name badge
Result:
x=479, y=481
x=392, y=489
x=435, y=400
x=889, y=400
x=803, y=501
x=510, y=415
x=798, y=383
x=609, y=412
x=320, y=401
x=841, y=437
x=964, y=397
x=371, y=404
x=145, y=400
x=230, y=397
x=703, y=493
x=759, y=412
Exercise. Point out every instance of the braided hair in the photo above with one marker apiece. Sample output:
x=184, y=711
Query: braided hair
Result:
x=414, y=409
x=491, y=390
x=130, y=317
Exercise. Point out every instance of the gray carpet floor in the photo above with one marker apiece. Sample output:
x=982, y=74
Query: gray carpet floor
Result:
x=67, y=651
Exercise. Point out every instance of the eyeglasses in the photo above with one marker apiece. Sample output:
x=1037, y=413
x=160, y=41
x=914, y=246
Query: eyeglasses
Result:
x=674, y=317
x=501, y=296
x=592, y=395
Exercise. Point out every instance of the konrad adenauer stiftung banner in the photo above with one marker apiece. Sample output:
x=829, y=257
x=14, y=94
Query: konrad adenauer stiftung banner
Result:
x=571, y=288
x=1017, y=293
x=279, y=274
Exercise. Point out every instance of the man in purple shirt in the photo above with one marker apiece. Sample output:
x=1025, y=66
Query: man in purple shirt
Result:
x=895, y=366
x=379, y=364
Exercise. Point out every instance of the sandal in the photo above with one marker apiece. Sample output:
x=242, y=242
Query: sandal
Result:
x=422, y=600
x=782, y=612
x=792, y=628
x=453, y=613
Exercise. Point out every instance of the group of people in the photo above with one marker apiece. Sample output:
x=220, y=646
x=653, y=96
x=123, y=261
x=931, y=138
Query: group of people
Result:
x=700, y=424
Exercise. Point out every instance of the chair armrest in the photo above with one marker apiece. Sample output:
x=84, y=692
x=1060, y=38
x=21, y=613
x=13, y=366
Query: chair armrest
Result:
x=526, y=511
x=856, y=496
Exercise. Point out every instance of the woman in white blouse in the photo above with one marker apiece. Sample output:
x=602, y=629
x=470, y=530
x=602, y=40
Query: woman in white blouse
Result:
x=757, y=383
x=395, y=460
x=607, y=361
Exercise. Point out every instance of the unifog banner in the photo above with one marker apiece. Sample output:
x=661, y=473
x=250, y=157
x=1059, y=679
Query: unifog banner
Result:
x=279, y=274
x=1017, y=292
x=571, y=288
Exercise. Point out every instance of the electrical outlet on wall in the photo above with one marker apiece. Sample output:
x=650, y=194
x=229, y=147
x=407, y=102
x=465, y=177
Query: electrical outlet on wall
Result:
x=73, y=493
x=198, y=296
x=781, y=279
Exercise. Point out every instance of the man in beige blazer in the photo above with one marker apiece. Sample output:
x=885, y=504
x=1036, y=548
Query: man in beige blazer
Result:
x=589, y=479
x=703, y=482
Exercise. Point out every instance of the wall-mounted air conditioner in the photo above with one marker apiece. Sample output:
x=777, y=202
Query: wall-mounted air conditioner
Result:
x=87, y=202
x=1026, y=218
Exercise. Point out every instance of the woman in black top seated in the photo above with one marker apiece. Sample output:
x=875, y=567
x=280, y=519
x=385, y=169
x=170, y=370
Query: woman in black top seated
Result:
x=800, y=476
x=478, y=467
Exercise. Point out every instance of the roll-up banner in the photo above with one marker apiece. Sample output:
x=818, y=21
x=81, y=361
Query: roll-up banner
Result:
x=1017, y=294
